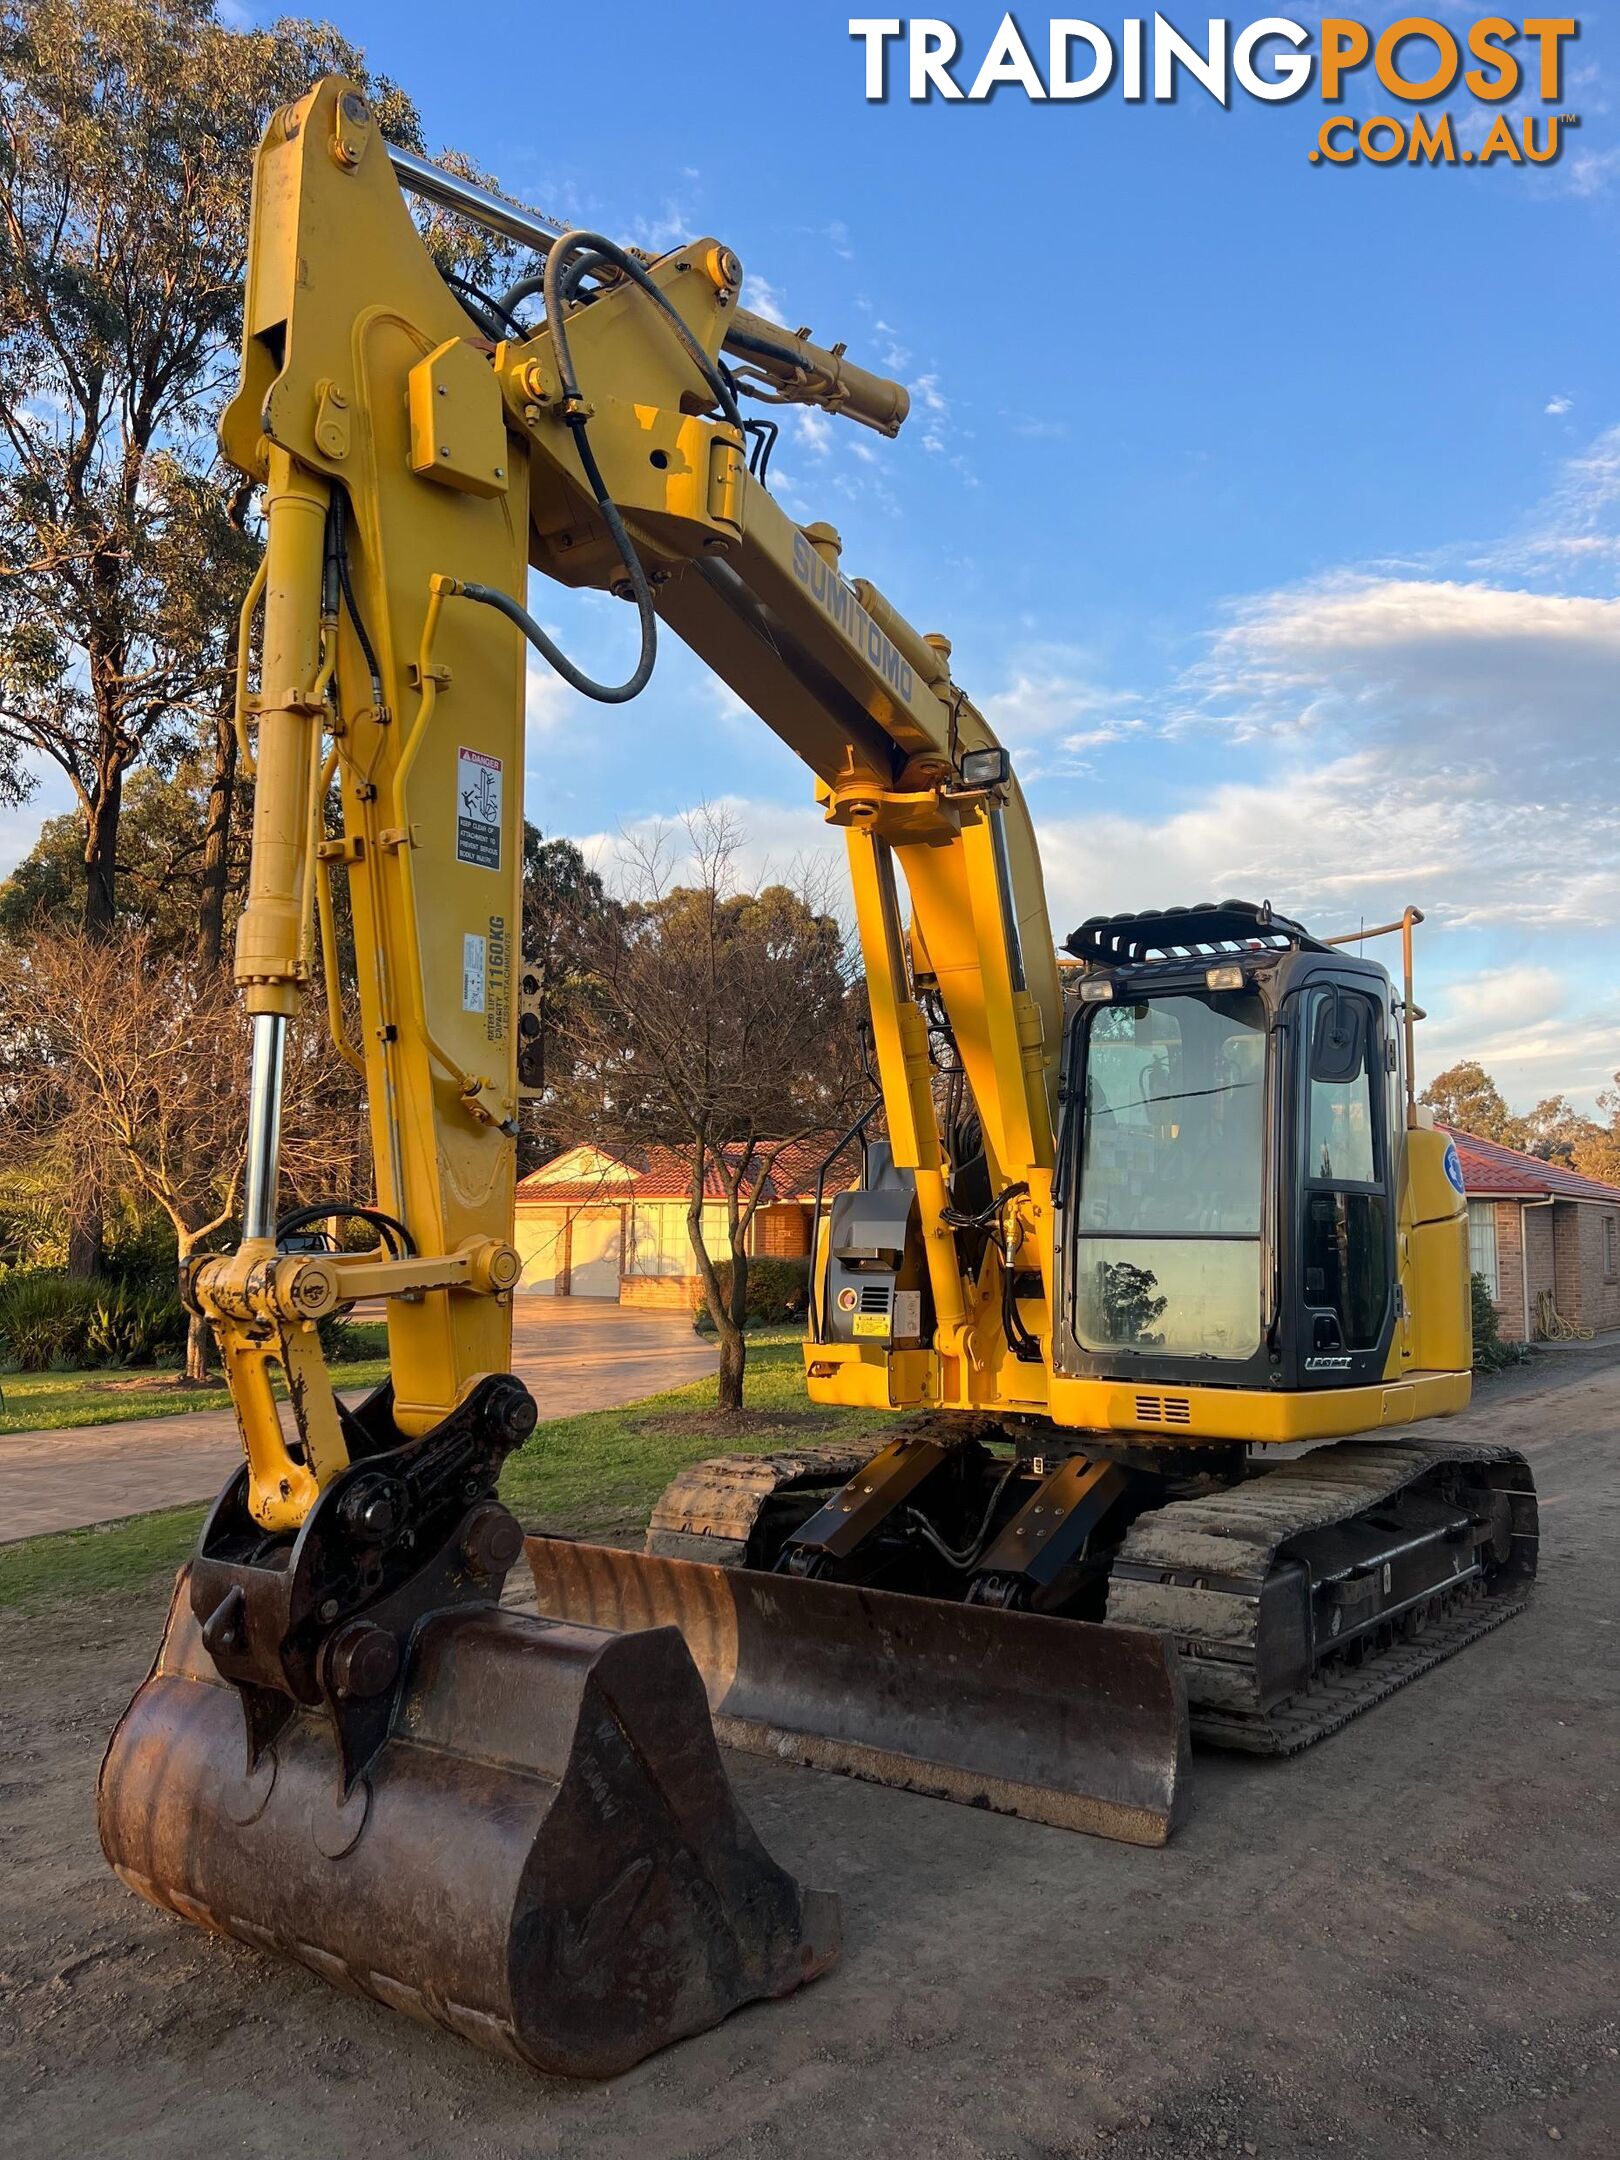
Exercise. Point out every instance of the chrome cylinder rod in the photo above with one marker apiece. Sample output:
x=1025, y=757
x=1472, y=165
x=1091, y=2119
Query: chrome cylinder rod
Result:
x=1009, y=902
x=264, y=1127
x=435, y=185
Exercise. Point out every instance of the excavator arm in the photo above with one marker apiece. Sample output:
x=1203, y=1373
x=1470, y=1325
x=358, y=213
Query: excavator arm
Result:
x=415, y=470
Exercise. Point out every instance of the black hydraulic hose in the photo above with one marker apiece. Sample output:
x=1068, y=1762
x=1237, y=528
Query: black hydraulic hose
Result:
x=340, y=536
x=492, y=316
x=393, y=1233
x=515, y=612
x=597, y=245
x=743, y=341
x=573, y=257
x=966, y=1556
x=982, y=1217
x=525, y=289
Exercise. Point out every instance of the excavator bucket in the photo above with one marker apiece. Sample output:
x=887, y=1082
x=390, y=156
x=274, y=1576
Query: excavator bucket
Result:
x=1058, y=1721
x=545, y=1857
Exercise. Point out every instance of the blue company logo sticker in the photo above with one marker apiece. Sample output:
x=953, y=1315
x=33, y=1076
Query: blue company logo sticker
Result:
x=1453, y=1166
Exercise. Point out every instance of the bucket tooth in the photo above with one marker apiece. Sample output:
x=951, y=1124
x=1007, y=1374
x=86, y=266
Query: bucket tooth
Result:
x=1058, y=1721
x=545, y=1857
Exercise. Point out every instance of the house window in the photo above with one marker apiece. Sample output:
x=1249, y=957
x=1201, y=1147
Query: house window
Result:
x=1611, y=1248
x=1482, y=1242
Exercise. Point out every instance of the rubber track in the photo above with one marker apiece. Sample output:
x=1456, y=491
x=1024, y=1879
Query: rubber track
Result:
x=708, y=1512
x=1222, y=1546
x=1343, y=1693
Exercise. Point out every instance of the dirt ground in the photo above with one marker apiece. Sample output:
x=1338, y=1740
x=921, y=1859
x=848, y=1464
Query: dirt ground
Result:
x=1398, y=1943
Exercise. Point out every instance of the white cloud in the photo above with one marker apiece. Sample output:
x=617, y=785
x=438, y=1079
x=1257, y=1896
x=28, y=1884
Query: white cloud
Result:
x=549, y=704
x=762, y=298
x=814, y=430
x=1531, y=1028
x=1576, y=526
x=1049, y=692
x=1509, y=692
x=1558, y=404
x=935, y=406
x=1591, y=172
x=1350, y=840
x=674, y=223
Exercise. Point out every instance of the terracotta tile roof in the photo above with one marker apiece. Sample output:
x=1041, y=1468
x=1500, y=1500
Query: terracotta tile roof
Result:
x=664, y=1173
x=1491, y=1171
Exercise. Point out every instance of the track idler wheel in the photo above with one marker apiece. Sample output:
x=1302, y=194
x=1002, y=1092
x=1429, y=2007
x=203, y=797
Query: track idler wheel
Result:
x=544, y=1856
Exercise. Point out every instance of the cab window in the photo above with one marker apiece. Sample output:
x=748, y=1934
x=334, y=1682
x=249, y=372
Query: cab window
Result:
x=1346, y=1215
x=1171, y=1178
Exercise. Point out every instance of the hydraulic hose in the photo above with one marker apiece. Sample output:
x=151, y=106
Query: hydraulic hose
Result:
x=573, y=257
x=604, y=250
x=550, y=650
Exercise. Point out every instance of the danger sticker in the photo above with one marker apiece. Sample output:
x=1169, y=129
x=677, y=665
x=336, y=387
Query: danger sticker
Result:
x=478, y=810
x=474, y=972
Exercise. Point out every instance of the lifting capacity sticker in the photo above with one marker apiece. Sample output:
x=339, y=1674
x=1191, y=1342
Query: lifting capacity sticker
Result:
x=478, y=809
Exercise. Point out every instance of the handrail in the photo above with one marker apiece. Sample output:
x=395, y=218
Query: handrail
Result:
x=1411, y=1012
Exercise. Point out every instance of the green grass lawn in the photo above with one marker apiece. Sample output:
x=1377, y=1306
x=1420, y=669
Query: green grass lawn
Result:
x=597, y=1475
x=600, y=1474
x=58, y=1401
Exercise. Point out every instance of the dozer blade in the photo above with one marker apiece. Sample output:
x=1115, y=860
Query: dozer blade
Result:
x=1059, y=1721
x=546, y=1857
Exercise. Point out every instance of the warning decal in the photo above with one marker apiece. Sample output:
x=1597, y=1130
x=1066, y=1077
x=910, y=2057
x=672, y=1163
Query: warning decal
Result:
x=478, y=809
x=474, y=973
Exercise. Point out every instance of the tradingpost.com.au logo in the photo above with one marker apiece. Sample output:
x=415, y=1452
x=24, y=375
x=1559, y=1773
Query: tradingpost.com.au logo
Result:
x=1412, y=62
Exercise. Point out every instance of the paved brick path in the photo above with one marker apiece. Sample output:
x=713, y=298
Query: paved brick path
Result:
x=575, y=1354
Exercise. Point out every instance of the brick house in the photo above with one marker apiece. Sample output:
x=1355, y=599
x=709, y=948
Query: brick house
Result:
x=601, y=1223
x=1535, y=1227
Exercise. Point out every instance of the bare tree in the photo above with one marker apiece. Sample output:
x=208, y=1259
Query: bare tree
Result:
x=722, y=1023
x=128, y=1062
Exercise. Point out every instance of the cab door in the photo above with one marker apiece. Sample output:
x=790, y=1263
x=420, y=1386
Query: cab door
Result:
x=1345, y=1222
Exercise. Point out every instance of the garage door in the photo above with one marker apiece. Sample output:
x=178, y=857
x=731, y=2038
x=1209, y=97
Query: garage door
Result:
x=540, y=1236
x=596, y=1237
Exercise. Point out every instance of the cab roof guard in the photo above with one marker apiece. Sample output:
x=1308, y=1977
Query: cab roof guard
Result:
x=1212, y=929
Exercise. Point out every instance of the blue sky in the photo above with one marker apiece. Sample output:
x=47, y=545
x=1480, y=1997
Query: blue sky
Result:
x=1273, y=509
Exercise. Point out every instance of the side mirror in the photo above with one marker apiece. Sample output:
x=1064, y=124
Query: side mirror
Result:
x=1339, y=1039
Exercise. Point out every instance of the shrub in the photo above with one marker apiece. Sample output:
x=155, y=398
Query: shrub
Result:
x=138, y=1248
x=134, y=1324
x=44, y=1318
x=778, y=1292
x=1491, y=1353
x=347, y=1342
x=49, y=1320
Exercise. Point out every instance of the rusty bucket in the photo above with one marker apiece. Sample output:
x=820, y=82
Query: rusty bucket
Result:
x=1059, y=1721
x=546, y=1856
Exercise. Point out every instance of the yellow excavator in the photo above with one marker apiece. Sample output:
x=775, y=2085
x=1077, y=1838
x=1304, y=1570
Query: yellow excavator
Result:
x=1149, y=1238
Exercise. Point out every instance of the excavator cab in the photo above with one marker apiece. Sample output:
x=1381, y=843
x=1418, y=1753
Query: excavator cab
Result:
x=1228, y=1156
